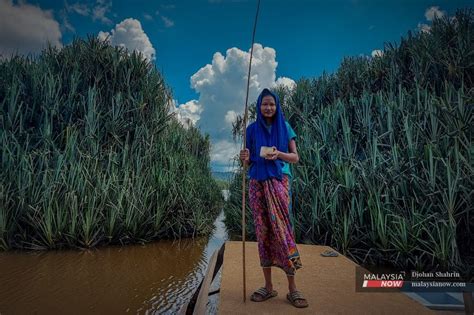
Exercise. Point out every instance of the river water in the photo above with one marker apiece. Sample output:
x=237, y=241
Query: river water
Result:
x=154, y=278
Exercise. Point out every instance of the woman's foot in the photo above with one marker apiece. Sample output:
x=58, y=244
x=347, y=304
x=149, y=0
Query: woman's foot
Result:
x=263, y=294
x=296, y=299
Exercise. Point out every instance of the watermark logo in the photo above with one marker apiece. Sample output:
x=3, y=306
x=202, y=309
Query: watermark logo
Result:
x=384, y=280
x=379, y=279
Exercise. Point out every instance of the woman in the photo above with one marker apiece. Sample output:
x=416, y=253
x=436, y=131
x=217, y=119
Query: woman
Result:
x=269, y=195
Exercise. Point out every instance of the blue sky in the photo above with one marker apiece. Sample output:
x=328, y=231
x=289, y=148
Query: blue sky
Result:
x=298, y=39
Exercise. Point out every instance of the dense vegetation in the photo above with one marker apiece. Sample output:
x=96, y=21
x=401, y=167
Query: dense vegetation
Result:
x=386, y=153
x=90, y=153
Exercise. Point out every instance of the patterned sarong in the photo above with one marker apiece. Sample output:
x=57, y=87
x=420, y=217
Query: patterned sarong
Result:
x=269, y=201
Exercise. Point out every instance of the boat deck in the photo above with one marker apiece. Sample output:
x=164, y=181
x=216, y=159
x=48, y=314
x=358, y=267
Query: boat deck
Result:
x=328, y=283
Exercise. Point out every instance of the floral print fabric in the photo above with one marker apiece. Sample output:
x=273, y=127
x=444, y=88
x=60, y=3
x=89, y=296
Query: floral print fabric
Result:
x=269, y=200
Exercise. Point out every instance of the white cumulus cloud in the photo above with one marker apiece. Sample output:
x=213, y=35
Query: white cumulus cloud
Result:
x=26, y=28
x=189, y=111
x=221, y=86
x=230, y=117
x=288, y=83
x=433, y=12
x=430, y=14
x=223, y=151
x=424, y=27
x=377, y=53
x=129, y=34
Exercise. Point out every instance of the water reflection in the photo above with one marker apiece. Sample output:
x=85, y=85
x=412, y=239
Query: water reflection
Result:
x=154, y=278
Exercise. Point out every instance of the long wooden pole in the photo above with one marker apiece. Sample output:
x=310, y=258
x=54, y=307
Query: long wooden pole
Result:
x=244, y=173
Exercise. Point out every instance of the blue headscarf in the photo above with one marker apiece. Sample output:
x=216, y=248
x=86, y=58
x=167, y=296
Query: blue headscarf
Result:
x=258, y=135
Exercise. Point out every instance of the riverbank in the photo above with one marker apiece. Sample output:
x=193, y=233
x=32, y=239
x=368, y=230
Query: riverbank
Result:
x=159, y=277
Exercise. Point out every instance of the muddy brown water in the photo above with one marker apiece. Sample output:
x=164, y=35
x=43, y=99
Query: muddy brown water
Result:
x=155, y=278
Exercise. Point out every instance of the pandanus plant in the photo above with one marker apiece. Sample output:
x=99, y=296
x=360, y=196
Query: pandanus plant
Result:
x=385, y=143
x=90, y=153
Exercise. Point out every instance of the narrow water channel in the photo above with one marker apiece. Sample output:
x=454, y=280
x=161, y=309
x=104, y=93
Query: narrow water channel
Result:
x=155, y=278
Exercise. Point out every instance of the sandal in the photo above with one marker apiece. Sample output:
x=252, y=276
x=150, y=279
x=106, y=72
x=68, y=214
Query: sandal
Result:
x=329, y=253
x=296, y=299
x=262, y=294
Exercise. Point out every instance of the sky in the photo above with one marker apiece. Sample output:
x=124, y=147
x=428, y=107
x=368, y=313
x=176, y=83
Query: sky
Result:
x=202, y=46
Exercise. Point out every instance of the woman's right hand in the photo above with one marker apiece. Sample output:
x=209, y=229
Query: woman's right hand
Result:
x=245, y=155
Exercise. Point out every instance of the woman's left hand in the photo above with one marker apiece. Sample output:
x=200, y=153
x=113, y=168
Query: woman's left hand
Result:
x=273, y=156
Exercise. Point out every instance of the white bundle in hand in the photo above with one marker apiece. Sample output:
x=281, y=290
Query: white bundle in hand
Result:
x=265, y=151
